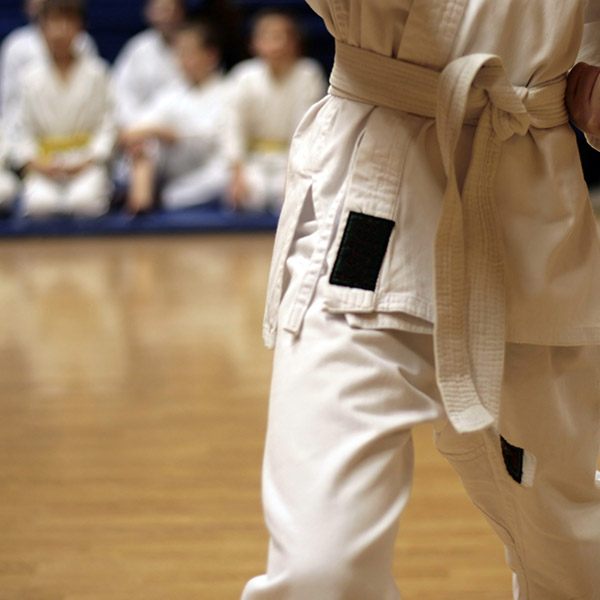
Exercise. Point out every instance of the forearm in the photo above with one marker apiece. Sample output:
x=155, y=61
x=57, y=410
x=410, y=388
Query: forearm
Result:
x=141, y=134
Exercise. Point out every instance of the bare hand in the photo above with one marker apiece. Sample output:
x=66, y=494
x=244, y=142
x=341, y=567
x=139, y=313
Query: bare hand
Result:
x=583, y=97
x=47, y=168
x=75, y=168
x=130, y=139
x=238, y=189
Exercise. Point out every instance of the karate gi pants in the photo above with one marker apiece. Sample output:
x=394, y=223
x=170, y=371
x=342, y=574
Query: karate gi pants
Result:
x=183, y=183
x=265, y=179
x=339, y=460
x=85, y=194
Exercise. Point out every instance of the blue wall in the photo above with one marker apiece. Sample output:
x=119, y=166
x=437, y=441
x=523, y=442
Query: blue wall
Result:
x=113, y=22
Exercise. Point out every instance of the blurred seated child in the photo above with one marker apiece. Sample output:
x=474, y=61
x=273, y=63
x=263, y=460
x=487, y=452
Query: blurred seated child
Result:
x=65, y=125
x=270, y=94
x=22, y=48
x=177, y=141
x=147, y=64
x=9, y=184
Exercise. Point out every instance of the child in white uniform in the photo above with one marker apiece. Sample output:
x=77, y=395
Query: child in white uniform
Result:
x=65, y=126
x=176, y=143
x=437, y=260
x=270, y=94
x=22, y=48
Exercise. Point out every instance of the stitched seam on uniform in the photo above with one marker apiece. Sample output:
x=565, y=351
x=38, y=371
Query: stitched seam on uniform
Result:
x=283, y=249
x=341, y=18
x=392, y=303
x=466, y=456
x=454, y=13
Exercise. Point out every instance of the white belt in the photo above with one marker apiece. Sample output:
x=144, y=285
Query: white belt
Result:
x=469, y=257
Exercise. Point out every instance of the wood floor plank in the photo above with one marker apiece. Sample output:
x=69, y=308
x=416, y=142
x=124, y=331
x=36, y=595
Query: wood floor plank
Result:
x=134, y=387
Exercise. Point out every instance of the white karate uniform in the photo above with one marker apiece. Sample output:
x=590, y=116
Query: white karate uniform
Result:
x=69, y=120
x=265, y=112
x=20, y=49
x=193, y=170
x=436, y=260
x=145, y=67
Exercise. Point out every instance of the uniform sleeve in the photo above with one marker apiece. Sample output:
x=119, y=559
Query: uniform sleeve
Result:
x=203, y=136
x=10, y=78
x=207, y=133
x=220, y=123
x=86, y=45
x=158, y=114
x=103, y=140
x=22, y=145
x=126, y=86
x=234, y=141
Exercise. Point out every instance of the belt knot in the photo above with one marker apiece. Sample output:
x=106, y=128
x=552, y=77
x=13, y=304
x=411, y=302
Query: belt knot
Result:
x=508, y=108
x=507, y=123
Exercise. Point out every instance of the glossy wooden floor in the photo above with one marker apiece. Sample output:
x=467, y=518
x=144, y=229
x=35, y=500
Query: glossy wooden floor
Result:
x=132, y=410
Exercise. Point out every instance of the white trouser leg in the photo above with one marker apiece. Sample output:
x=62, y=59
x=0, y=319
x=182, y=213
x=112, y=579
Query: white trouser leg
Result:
x=339, y=459
x=41, y=196
x=550, y=522
x=86, y=194
x=195, y=187
x=265, y=178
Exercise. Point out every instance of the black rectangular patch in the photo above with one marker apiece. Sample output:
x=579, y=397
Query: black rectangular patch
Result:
x=513, y=459
x=361, y=252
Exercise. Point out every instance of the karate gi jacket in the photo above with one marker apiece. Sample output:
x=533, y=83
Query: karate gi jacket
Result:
x=195, y=113
x=68, y=119
x=264, y=111
x=443, y=153
x=20, y=49
x=146, y=66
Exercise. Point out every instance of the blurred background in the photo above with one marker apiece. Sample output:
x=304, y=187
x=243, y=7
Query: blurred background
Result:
x=138, y=41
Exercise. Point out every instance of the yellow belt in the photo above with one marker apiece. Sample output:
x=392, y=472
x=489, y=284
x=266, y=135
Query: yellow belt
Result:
x=469, y=326
x=57, y=144
x=268, y=146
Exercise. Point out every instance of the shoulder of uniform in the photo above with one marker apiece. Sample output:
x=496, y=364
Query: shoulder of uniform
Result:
x=246, y=68
x=138, y=43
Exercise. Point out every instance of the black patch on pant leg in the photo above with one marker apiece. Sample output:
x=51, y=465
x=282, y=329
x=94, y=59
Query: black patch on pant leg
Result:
x=513, y=459
x=361, y=252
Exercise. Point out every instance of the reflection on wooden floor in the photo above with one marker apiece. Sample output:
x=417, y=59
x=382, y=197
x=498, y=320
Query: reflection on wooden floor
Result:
x=134, y=387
